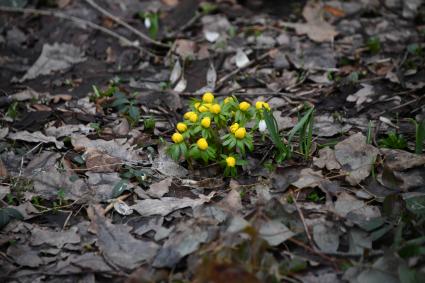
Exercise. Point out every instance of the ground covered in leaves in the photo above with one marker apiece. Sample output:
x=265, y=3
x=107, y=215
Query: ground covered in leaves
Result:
x=91, y=92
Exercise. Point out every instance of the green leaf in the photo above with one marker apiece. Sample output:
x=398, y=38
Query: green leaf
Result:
x=300, y=124
x=134, y=113
x=120, y=101
x=119, y=188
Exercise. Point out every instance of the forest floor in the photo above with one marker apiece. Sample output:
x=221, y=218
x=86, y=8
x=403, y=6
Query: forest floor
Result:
x=90, y=96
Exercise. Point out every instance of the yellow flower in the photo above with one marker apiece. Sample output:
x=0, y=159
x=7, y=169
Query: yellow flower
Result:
x=188, y=114
x=228, y=99
x=177, y=138
x=231, y=161
x=208, y=97
x=193, y=118
x=234, y=127
x=240, y=133
x=243, y=106
x=202, y=144
x=206, y=122
x=197, y=104
x=215, y=109
x=181, y=127
x=261, y=104
x=203, y=108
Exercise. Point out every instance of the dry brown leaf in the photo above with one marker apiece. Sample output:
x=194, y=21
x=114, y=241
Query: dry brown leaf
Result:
x=327, y=159
x=356, y=157
x=36, y=137
x=97, y=161
x=316, y=28
x=41, y=107
x=58, y=97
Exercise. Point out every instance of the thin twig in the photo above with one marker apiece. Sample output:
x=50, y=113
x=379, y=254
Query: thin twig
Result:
x=124, y=24
x=125, y=41
x=303, y=221
x=111, y=205
x=67, y=220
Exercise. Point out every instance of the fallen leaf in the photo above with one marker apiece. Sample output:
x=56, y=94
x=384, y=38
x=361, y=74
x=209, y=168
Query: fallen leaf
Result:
x=166, y=205
x=362, y=95
x=185, y=48
x=36, y=137
x=347, y=203
x=275, y=232
x=99, y=162
x=167, y=166
x=400, y=160
x=103, y=184
x=30, y=94
x=326, y=237
x=54, y=238
x=356, y=157
x=48, y=182
x=316, y=28
x=186, y=239
x=118, y=245
x=24, y=255
x=158, y=189
x=308, y=178
x=68, y=130
x=117, y=147
x=56, y=57
x=327, y=159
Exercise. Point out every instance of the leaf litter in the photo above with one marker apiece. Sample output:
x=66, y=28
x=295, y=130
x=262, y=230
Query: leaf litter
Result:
x=88, y=192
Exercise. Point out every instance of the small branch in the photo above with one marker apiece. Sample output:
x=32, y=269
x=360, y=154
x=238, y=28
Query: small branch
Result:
x=111, y=205
x=83, y=23
x=124, y=24
x=300, y=213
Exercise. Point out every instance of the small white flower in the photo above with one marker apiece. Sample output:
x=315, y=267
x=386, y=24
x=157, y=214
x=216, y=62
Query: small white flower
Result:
x=262, y=126
x=147, y=22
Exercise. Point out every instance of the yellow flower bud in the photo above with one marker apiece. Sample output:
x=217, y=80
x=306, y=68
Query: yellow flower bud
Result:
x=234, y=127
x=228, y=99
x=203, y=108
x=193, y=118
x=188, y=114
x=197, y=104
x=177, y=138
x=206, y=122
x=259, y=104
x=215, y=109
x=202, y=144
x=240, y=133
x=181, y=127
x=231, y=161
x=243, y=106
x=208, y=97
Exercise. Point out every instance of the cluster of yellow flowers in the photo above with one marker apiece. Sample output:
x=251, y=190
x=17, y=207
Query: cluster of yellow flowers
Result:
x=215, y=130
